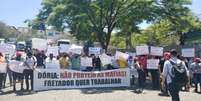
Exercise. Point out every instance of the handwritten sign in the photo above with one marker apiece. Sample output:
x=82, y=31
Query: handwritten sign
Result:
x=3, y=68
x=76, y=49
x=94, y=50
x=105, y=59
x=188, y=52
x=64, y=48
x=152, y=63
x=40, y=44
x=7, y=49
x=119, y=55
x=142, y=50
x=156, y=51
x=53, y=50
x=16, y=66
x=85, y=61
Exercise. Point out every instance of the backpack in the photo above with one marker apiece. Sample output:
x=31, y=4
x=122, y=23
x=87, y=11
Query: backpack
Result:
x=179, y=74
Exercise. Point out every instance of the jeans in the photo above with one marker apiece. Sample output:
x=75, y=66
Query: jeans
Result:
x=28, y=73
x=174, y=91
x=155, y=79
x=141, y=78
x=18, y=76
x=1, y=80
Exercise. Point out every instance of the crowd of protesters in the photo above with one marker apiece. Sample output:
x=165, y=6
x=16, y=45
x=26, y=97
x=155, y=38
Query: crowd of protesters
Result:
x=159, y=77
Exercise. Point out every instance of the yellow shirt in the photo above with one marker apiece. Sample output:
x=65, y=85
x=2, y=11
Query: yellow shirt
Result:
x=64, y=63
x=122, y=63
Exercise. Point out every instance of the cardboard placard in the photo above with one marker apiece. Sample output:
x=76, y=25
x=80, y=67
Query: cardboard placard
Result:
x=16, y=66
x=7, y=49
x=142, y=50
x=86, y=61
x=156, y=51
x=105, y=59
x=94, y=50
x=152, y=63
x=3, y=67
x=40, y=44
x=53, y=49
x=64, y=48
x=188, y=52
x=120, y=55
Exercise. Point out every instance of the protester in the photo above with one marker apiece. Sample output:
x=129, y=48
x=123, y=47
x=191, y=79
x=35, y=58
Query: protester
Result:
x=51, y=62
x=175, y=79
x=141, y=75
x=163, y=87
x=96, y=62
x=183, y=59
x=17, y=75
x=30, y=64
x=122, y=63
x=76, y=62
x=196, y=70
x=40, y=56
x=64, y=61
x=2, y=60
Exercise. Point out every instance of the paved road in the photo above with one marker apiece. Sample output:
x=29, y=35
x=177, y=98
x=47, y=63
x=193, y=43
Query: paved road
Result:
x=106, y=94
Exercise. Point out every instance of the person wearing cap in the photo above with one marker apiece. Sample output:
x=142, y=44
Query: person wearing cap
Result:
x=195, y=67
x=14, y=65
x=168, y=75
x=30, y=64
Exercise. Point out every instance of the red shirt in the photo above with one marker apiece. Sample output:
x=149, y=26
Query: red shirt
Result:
x=143, y=61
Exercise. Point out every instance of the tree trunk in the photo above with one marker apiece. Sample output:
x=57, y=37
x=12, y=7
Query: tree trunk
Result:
x=128, y=40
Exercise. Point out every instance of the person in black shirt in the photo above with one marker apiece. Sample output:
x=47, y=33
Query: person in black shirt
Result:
x=96, y=63
x=40, y=56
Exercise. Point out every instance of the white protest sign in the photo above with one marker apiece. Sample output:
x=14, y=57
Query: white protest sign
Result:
x=16, y=66
x=105, y=59
x=85, y=61
x=7, y=49
x=119, y=55
x=94, y=50
x=53, y=50
x=64, y=48
x=142, y=50
x=152, y=63
x=54, y=64
x=76, y=49
x=40, y=44
x=156, y=51
x=3, y=68
x=188, y=52
x=131, y=54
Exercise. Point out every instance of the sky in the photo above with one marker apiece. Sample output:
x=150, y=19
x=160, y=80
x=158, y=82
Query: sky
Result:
x=15, y=12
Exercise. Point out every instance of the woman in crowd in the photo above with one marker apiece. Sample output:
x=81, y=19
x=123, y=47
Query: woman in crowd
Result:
x=141, y=75
x=64, y=61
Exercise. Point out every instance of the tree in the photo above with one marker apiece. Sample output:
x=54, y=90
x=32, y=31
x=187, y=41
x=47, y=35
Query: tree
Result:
x=95, y=19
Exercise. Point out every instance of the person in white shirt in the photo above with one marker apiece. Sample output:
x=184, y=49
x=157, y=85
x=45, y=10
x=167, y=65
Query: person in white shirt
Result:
x=51, y=62
x=168, y=75
x=30, y=64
